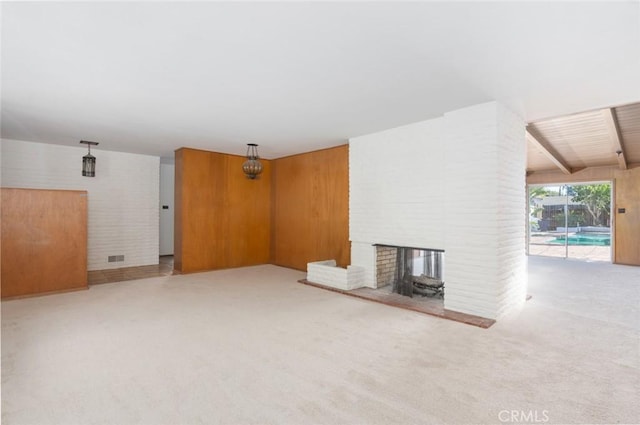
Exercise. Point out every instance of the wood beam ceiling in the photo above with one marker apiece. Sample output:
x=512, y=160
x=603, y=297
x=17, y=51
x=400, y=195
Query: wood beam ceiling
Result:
x=610, y=119
x=548, y=151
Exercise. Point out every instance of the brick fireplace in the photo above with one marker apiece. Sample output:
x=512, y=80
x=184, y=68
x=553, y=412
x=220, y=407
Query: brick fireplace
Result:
x=455, y=182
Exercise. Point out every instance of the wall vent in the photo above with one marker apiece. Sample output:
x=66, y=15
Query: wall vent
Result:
x=115, y=258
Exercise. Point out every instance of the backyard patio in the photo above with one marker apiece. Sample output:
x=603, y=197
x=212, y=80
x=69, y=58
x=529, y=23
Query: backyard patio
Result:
x=541, y=244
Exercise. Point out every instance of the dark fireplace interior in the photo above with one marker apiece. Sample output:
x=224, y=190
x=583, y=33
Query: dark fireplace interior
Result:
x=411, y=271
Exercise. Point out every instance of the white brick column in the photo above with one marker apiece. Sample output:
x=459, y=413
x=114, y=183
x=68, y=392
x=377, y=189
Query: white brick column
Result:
x=485, y=221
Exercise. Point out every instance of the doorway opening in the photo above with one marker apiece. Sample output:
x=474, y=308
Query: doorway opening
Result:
x=167, y=190
x=570, y=221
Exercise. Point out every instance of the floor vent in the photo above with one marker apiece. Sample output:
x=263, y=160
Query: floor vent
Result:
x=116, y=258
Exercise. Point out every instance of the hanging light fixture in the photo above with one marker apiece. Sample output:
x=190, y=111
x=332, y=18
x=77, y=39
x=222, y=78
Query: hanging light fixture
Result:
x=88, y=161
x=252, y=166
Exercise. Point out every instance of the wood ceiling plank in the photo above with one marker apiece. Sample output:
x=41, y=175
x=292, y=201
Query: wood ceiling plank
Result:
x=628, y=117
x=549, y=152
x=589, y=139
x=537, y=161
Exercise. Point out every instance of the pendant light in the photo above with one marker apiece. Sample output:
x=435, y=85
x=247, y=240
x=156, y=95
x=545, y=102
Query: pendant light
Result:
x=88, y=161
x=252, y=166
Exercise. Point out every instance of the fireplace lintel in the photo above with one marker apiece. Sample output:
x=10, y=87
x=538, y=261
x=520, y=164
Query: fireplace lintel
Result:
x=409, y=247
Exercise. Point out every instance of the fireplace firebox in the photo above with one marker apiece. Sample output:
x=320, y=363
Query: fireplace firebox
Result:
x=410, y=271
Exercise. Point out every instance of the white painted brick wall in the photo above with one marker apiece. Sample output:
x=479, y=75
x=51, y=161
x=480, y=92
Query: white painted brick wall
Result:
x=396, y=187
x=326, y=273
x=454, y=183
x=512, y=188
x=364, y=255
x=123, y=198
x=472, y=206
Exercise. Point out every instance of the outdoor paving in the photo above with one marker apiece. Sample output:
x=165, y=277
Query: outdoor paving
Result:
x=539, y=245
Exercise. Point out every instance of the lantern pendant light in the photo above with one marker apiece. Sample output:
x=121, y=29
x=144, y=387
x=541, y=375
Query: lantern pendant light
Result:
x=252, y=166
x=88, y=161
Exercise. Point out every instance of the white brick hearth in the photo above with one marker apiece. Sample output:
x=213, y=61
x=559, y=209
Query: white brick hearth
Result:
x=328, y=274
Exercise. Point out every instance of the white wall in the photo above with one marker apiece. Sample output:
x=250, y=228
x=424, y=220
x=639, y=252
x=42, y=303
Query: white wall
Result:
x=123, y=197
x=455, y=183
x=167, y=189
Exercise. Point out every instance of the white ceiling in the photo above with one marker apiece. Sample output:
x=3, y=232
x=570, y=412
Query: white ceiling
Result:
x=294, y=77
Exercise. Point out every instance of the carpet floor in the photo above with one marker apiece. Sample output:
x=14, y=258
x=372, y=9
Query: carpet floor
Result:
x=253, y=346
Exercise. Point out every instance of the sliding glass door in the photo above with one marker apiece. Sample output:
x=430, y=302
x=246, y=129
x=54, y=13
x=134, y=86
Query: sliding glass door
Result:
x=570, y=221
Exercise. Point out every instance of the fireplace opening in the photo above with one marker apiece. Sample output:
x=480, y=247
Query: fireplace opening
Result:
x=410, y=271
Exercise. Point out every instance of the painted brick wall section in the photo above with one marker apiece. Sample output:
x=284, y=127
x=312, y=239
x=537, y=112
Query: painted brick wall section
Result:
x=123, y=197
x=364, y=255
x=454, y=183
x=512, y=156
x=396, y=192
x=485, y=218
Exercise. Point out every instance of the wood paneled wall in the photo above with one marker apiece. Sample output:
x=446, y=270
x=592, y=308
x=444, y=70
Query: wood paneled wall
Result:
x=44, y=241
x=222, y=218
x=627, y=224
x=310, y=217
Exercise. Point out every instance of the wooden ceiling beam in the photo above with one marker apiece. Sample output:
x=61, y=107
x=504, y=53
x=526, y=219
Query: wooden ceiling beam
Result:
x=614, y=135
x=548, y=151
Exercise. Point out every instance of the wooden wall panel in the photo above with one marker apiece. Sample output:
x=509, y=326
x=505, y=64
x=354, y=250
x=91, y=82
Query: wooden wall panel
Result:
x=250, y=214
x=311, y=208
x=44, y=241
x=177, y=211
x=222, y=219
x=627, y=224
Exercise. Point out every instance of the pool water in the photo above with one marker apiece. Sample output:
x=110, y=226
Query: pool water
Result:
x=598, y=239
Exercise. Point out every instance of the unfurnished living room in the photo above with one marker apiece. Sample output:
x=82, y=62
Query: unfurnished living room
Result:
x=320, y=212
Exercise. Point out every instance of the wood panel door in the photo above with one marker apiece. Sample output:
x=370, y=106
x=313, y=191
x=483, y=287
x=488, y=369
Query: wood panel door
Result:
x=44, y=241
x=627, y=218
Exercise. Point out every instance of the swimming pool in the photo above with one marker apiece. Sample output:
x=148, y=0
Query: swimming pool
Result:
x=598, y=239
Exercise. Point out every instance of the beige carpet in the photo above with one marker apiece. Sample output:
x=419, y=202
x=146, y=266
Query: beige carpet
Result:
x=254, y=346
